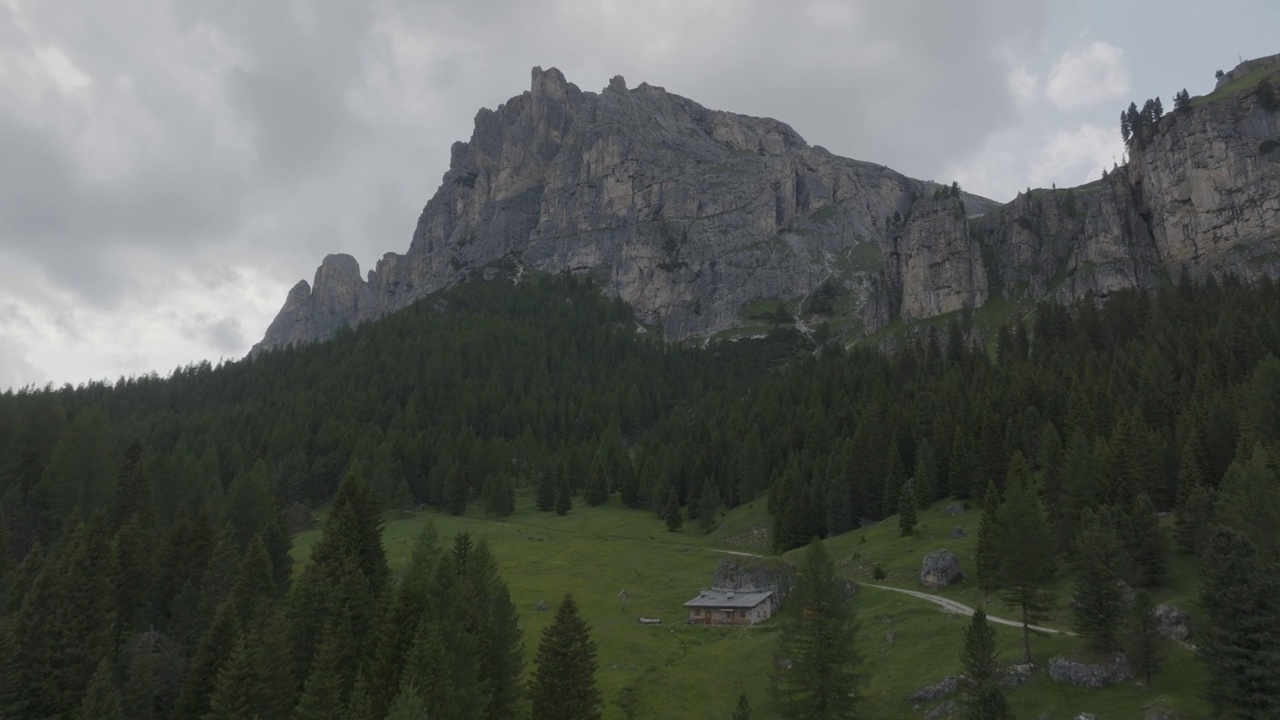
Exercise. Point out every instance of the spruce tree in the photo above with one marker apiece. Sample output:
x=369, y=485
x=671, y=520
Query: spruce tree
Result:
x=102, y=697
x=988, y=527
x=322, y=693
x=671, y=514
x=1146, y=542
x=500, y=499
x=907, y=509
x=564, y=684
x=816, y=663
x=1142, y=638
x=564, y=495
x=409, y=705
x=1240, y=642
x=743, y=710
x=708, y=507
x=980, y=693
x=545, y=498
x=1097, y=602
x=628, y=482
x=1023, y=550
x=240, y=691
x=597, y=490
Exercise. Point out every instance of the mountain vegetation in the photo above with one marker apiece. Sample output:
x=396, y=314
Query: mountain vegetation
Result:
x=146, y=525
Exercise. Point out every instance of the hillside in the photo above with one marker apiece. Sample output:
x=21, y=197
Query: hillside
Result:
x=679, y=671
x=695, y=217
x=148, y=525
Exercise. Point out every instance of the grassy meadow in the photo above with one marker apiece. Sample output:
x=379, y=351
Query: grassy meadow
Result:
x=679, y=671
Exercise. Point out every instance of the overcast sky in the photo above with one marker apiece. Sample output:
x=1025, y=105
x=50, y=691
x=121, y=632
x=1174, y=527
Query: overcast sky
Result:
x=170, y=168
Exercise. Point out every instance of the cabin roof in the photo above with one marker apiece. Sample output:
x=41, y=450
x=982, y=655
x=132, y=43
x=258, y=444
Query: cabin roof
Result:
x=728, y=599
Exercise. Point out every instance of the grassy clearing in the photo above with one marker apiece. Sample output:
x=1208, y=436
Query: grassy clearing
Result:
x=679, y=671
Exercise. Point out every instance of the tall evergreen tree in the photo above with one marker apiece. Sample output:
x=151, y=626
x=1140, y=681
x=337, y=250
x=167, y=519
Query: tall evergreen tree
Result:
x=564, y=494
x=240, y=691
x=1023, y=550
x=1098, y=602
x=564, y=685
x=988, y=528
x=980, y=692
x=743, y=709
x=102, y=697
x=816, y=663
x=597, y=490
x=1240, y=643
x=708, y=507
x=671, y=514
x=1142, y=638
x=907, y=509
x=545, y=498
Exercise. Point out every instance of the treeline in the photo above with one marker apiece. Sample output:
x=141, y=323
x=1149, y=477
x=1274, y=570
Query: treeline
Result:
x=1098, y=415
x=432, y=403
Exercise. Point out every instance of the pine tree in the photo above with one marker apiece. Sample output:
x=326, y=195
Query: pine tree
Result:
x=545, y=499
x=816, y=664
x=980, y=693
x=1146, y=543
x=500, y=500
x=671, y=514
x=240, y=691
x=322, y=693
x=597, y=490
x=354, y=529
x=1023, y=550
x=628, y=483
x=708, y=507
x=564, y=494
x=907, y=509
x=1240, y=643
x=102, y=698
x=457, y=489
x=408, y=705
x=988, y=527
x=564, y=685
x=743, y=709
x=1142, y=638
x=1098, y=602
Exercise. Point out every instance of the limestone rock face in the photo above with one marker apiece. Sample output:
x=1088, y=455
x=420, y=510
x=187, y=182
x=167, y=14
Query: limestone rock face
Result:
x=688, y=214
x=684, y=212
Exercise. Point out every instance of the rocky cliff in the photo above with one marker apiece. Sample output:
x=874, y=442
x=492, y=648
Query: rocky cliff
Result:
x=692, y=214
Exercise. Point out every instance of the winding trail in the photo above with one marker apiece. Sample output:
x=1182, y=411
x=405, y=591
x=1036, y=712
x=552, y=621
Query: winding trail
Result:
x=957, y=608
x=945, y=604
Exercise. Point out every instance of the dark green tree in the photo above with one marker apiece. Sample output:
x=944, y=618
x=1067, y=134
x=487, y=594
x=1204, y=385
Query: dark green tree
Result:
x=980, y=693
x=708, y=507
x=597, y=490
x=988, y=530
x=1024, y=558
x=1240, y=642
x=1142, y=642
x=564, y=494
x=564, y=684
x=1098, y=603
x=671, y=514
x=240, y=691
x=743, y=709
x=545, y=498
x=907, y=509
x=500, y=495
x=815, y=666
x=102, y=698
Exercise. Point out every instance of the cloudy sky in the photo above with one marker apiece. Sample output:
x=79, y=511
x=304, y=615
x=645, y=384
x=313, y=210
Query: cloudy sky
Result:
x=170, y=168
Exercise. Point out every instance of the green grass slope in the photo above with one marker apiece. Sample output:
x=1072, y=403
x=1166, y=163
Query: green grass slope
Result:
x=679, y=671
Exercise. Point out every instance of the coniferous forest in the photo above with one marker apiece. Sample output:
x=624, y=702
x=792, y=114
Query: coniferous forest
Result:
x=146, y=524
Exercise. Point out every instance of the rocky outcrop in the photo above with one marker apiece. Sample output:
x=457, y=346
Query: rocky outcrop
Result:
x=939, y=569
x=689, y=214
x=1172, y=623
x=1089, y=675
x=684, y=212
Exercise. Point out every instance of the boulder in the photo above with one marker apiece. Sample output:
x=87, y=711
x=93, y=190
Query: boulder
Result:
x=957, y=533
x=939, y=569
x=1172, y=622
x=1017, y=675
x=953, y=510
x=1089, y=675
x=936, y=691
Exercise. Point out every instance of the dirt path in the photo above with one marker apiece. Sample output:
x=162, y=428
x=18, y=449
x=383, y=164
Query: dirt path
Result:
x=945, y=604
x=957, y=608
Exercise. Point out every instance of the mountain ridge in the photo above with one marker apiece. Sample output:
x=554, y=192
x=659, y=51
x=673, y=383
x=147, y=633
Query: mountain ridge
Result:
x=689, y=214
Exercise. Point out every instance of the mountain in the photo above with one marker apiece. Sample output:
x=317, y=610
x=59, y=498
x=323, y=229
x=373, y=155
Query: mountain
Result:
x=696, y=216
